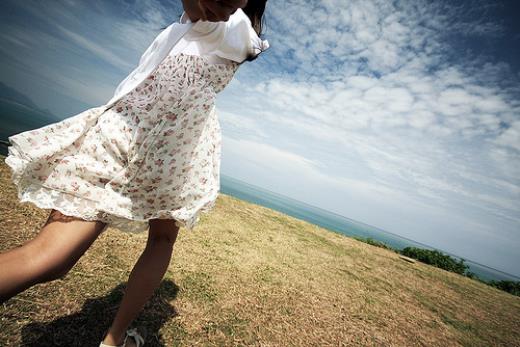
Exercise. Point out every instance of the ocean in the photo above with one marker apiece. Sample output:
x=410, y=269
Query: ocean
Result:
x=16, y=117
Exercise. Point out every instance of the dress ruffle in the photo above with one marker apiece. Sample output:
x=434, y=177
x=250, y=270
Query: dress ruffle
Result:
x=91, y=210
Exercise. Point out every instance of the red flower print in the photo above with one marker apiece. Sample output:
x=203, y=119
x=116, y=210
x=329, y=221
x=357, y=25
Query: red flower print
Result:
x=171, y=116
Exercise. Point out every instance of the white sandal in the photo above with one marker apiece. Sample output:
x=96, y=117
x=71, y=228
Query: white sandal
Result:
x=139, y=340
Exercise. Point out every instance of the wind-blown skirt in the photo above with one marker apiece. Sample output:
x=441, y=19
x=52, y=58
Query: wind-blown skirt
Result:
x=154, y=154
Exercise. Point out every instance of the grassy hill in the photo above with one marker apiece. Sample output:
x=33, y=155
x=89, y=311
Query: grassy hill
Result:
x=251, y=276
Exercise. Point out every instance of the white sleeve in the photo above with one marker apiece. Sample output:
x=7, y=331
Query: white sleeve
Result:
x=233, y=39
x=200, y=27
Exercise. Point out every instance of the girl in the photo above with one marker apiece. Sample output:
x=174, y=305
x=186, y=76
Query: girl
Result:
x=148, y=159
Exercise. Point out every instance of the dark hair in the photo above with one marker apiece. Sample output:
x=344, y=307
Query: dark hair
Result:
x=255, y=11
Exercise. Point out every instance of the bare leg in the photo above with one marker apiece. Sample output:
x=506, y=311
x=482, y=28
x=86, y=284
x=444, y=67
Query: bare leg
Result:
x=144, y=278
x=49, y=256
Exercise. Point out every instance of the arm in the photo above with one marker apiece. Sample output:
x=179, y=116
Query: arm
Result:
x=211, y=10
x=193, y=10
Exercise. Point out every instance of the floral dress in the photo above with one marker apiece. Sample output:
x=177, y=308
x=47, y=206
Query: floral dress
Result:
x=154, y=154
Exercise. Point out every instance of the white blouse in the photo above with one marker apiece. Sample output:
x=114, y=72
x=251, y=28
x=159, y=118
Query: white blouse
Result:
x=233, y=40
x=194, y=48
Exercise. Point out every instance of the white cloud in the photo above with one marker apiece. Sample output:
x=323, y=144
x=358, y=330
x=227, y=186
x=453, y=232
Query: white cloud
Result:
x=373, y=81
x=101, y=51
x=510, y=137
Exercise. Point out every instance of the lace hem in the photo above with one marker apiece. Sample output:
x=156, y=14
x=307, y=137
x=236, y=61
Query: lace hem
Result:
x=90, y=210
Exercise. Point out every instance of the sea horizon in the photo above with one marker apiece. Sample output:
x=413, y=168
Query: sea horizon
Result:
x=344, y=225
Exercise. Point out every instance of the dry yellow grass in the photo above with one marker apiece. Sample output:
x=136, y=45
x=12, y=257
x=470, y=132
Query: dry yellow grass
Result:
x=251, y=276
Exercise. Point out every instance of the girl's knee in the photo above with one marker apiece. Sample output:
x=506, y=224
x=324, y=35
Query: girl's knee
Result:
x=163, y=231
x=47, y=263
x=51, y=261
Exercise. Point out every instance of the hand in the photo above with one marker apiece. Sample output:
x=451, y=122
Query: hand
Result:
x=219, y=10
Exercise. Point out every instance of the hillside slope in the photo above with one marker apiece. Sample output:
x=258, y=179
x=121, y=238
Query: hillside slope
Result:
x=251, y=276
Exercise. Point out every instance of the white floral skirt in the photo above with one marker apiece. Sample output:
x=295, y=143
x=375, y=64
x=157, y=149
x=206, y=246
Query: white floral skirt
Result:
x=154, y=154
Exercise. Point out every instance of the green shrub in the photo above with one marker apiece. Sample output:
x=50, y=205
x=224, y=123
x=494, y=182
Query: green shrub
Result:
x=373, y=242
x=512, y=287
x=471, y=275
x=437, y=259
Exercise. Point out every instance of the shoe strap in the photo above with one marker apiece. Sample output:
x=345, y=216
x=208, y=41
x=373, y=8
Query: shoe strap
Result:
x=139, y=341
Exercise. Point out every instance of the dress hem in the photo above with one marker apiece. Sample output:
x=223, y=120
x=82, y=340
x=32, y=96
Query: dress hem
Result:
x=132, y=224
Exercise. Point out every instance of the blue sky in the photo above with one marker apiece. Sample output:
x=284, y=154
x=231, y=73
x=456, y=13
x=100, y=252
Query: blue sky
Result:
x=400, y=114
